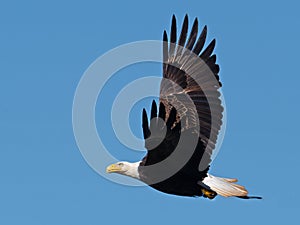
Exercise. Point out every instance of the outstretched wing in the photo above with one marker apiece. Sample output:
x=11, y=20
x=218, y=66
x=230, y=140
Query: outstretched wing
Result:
x=191, y=86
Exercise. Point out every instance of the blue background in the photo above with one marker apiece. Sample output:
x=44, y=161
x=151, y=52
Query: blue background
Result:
x=46, y=46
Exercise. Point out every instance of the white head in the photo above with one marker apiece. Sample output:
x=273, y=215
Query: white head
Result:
x=125, y=168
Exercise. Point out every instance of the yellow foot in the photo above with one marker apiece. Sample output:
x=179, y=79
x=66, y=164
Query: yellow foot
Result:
x=208, y=194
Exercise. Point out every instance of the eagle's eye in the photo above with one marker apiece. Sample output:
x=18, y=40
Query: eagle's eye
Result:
x=121, y=164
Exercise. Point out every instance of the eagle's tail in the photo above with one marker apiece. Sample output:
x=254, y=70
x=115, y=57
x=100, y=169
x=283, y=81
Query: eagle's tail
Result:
x=227, y=187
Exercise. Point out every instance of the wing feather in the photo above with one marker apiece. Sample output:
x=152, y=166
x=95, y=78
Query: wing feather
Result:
x=189, y=93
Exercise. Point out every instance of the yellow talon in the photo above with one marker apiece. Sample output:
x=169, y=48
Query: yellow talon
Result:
x=208, y=194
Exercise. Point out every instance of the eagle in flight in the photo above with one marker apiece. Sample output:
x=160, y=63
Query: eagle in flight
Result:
x=182, y=132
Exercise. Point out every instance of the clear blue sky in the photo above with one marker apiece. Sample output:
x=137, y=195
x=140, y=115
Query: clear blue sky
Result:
x=46, y=47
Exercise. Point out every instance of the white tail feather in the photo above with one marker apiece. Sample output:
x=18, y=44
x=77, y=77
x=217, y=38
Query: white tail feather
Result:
x=225, y=186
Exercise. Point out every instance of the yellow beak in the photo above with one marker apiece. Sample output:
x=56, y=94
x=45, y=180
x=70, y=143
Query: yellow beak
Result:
x=113, y=168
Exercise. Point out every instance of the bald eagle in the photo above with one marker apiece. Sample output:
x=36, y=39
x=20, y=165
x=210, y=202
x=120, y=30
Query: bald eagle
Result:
x=182, y=132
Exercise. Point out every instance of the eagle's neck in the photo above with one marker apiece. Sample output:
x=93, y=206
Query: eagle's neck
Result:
x=132, y=170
